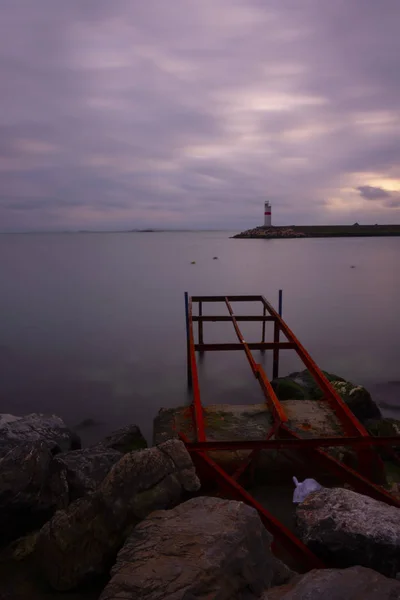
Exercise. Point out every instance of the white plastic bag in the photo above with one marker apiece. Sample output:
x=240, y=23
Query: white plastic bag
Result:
x=304, y=488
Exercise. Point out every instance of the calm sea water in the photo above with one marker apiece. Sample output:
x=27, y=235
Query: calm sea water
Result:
x=93, y=325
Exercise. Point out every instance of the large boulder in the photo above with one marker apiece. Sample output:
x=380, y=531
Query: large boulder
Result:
x=79, y=472
x=355, y=583
x=82, y=541
x=301, y=386
x=204, y=548
x=35, y=427
x=345, y=529
x=125, y=440
x=26, y=500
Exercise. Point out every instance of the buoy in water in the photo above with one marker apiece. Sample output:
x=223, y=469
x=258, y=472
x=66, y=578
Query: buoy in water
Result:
x=215, y=258
x=193, y=262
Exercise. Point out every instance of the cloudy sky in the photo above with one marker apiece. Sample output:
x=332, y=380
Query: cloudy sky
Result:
x=190, y=113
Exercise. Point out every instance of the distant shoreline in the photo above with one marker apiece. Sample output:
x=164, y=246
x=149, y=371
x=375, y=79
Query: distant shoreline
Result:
x=126, y=231
x=319, y=231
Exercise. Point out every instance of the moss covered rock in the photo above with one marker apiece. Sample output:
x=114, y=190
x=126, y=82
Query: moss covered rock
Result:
x=301, y=386
x=358, y=399
x=385, y=428
x=287, y=389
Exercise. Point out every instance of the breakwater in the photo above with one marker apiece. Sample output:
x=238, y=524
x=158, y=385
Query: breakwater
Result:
x=320, y=231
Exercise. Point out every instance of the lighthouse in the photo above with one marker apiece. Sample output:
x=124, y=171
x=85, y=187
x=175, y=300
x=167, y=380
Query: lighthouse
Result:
x=267, y=214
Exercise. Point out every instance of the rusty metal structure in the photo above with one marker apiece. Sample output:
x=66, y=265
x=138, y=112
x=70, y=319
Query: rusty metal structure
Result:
x=365, y=479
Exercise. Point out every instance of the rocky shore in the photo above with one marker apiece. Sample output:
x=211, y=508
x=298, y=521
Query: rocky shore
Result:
x=121, y=520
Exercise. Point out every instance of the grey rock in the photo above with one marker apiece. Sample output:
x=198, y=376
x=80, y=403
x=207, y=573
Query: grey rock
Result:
x=204, y=548
x=79, y=472
x=126, y=439
x=345, y=529
x=35, y=427
x=26, y=500
x=82, y=541
x=355, y=583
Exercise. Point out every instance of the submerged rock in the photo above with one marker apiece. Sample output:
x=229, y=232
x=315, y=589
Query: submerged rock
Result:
x=126, y=439
x=82, y=541
x=355, y=583
x=36, y=427
x=345, y=529
x=85, y=424
x=204, y=548
x=26, y=500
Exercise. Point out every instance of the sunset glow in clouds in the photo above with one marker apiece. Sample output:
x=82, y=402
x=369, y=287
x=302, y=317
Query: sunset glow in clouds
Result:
x=189, y=114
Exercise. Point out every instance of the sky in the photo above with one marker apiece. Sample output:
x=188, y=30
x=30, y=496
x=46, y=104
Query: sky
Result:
x=124, y=114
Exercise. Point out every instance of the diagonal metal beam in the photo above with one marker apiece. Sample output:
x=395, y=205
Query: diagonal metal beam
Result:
x=234, y=490
x=269, y=393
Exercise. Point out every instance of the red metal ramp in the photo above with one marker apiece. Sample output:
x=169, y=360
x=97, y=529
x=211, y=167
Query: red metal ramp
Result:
x=282, y=434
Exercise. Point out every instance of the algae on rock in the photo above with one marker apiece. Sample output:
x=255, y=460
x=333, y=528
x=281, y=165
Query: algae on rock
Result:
x=301, y=386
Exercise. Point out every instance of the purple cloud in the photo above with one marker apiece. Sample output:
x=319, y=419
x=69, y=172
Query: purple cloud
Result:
x=384, y=197
x=372, y=193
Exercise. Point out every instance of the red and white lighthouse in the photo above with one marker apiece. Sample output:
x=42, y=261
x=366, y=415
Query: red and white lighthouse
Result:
x=267, y=214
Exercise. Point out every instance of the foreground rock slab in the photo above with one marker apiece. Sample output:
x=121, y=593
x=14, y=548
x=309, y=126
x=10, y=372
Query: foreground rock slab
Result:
x=82, y=541
x=253, y=422
x=356, y=583
x=35, y=427
x=204, y=548
x=346, y=529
